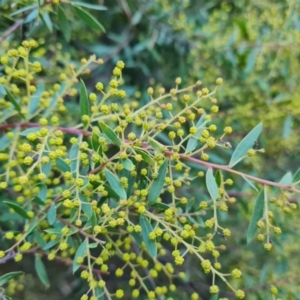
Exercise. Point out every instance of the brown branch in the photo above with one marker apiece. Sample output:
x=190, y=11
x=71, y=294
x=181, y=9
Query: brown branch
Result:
x=10, y=30
x=168, y=153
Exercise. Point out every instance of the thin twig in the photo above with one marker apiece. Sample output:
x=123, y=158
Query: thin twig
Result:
x=10, y=30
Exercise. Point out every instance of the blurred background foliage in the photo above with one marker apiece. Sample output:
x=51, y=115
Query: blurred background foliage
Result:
x=252, y=45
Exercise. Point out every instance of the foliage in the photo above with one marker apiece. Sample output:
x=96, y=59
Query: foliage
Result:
x=149, y=192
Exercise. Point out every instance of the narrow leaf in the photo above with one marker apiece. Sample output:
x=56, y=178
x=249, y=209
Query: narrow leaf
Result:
x=62, y=165
x=29, y=130
x=88, y=19
x=155, y=145
x=146, y=229
x=86, y=206
x=47, y=21
x=296, y=176
x=51, y=214
x=245, y=145
x=40, y=240
x=127, y=164
x=161, y=206
x=14, y=102
x=32, y=225
x=50, y=244
x=84, y=100
x=146, y=157
x=35, y=98
x=250, y=182
x=137, y=238
x=287, y=178
x=193, y=140
x=5, y=141
x=73, y=156
x=38, y=201
x=64, y=24
x=110, y=133
x=23, y=9
x=81, y=251
x=32, y=16
x=257, y=214
x=90, y=6
x=46, y=168
x=41, y=271
x=18, y=209
x=95, y=142
x=211, y=184
x=115, y=184
x=287, y=127
x=158, y=183
x=7, y=277
x=42, y=192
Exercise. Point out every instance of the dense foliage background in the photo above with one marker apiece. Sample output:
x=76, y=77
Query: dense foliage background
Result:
x=252, y=45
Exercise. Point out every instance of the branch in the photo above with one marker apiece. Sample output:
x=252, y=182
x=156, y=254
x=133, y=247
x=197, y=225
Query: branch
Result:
x=10, y=30
x=168, y=153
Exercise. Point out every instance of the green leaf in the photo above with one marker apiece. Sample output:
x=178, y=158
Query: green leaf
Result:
x=287, y=127
x=64, y=23
x=161, y=206
x=84, y=100
x=32, y=16
x=127, y=164
x=86, y=206
x=41, y=271
x=155, y=145
x=88, y=19
x=90, y=6
x=14, y=102
x=115, y=184
x=111, y=192
x=257, y=214
x=5, y=141
x=110, y=133
x=73, y=157
x=287, y=178
x=56, y=231
x=35, y=98
x=146, y=229
x=46, y=168
x=50, y=244
x=295, y=178
x=158, y=183
x=214, y=297
x=146, y=157
x=218, y=177
x=47, y=21
x=193, y=140
x=211, y=184
x=51, y=214
x=40, y=240
x=42, y=192
x=62, y=165
x=93, y=245
x=32, y=225
x=38, y=201
x=95, y=141
x=29, y=130
x=7, y=277
x=245, y=145
x=23, y=9
x=81, y=251
x=18, y=209
x=137, y=238
x=250, y=182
